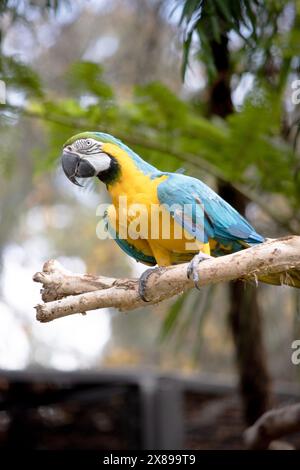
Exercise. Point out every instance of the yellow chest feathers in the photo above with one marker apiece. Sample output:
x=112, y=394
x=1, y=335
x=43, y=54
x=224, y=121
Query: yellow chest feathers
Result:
x=134, y=197
x=132, y=182
x=138, y=216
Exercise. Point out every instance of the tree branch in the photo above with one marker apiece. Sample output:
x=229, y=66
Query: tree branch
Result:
x=66, y=293
x=273, y=425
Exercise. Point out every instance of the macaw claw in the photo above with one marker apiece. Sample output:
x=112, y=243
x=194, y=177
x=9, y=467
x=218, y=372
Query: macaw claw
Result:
x=192, y=270
x=143, y=280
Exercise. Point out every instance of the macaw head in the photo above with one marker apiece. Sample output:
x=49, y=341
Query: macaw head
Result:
x=90, y=154
x=98, y=154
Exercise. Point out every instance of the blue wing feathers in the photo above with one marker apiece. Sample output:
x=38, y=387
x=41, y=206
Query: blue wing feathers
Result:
x=138, y=255
x=220, y=221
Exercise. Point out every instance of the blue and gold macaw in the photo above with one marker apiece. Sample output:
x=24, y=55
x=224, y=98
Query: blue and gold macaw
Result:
x=214, y=227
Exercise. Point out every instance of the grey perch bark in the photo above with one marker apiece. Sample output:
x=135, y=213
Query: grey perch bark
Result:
x=66, y=293
x=273, y=425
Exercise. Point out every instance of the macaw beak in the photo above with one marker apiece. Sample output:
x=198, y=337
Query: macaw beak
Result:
x=75, y=166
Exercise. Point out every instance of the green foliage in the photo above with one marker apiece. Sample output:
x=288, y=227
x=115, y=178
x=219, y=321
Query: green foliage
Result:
x=172, y=316
x=254, y=21
x=170, y=133
x=210, y=20
x=158, y=122
x=185, y=320
x=86, y=77
x=19, y=76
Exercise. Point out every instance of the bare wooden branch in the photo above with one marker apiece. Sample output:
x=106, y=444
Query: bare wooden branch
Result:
x=273, y=425
x=58, y=282
x=66, y=293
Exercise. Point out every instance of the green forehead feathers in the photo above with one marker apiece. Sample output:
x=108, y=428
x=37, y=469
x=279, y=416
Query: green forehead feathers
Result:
x=100, y=136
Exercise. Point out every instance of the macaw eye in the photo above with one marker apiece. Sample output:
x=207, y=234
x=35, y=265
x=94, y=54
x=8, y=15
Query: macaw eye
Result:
x=88, y=142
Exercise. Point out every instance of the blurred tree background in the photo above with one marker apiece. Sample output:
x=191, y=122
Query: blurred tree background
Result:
x=204, y=85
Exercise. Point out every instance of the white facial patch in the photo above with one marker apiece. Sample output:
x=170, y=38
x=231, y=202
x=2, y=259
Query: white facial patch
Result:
x=99, y=161
x=86, y=144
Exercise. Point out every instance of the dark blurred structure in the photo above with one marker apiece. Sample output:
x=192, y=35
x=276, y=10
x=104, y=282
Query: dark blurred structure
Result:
x=111, y=410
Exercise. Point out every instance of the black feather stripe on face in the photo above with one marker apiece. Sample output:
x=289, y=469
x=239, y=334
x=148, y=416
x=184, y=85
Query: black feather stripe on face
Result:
x=112, y=174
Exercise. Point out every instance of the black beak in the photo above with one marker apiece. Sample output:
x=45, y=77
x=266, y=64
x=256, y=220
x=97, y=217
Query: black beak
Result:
x=74, y=166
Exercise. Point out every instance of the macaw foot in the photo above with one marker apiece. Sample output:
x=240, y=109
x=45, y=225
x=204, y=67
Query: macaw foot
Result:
x=143, y=280
x=192, y=270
